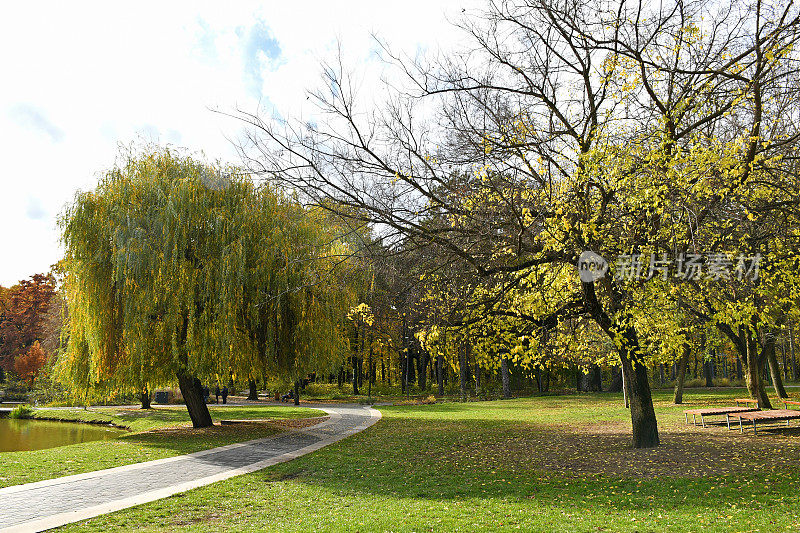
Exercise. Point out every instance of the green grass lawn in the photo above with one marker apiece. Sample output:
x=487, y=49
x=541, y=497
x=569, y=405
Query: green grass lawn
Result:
x=155, y=434
x=541, y=464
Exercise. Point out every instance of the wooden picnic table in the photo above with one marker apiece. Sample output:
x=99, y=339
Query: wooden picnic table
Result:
x=774, y=415
x=720, y=411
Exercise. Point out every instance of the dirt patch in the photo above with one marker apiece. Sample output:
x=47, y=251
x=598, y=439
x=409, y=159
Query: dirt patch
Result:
x=605, y=449
x=187, y=429
x=298, y=423
x=293, y=423
x=209, y=517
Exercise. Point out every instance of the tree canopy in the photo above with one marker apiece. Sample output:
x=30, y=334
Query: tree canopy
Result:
x=178, y=268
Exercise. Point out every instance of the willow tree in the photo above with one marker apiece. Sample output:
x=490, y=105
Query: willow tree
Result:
x=182, y=270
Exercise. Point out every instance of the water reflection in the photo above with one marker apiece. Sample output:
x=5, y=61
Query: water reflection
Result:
x=40, y=434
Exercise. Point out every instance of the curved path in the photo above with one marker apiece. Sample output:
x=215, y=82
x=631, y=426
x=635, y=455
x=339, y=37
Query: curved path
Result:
x=55, y=502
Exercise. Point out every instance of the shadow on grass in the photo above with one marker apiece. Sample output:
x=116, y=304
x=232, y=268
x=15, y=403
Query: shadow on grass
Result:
x=466, y=455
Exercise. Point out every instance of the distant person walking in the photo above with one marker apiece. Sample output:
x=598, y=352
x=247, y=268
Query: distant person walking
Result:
x=217, y=393
x=225, y=394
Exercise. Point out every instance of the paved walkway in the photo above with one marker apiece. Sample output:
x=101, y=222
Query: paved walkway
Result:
x=51, y=503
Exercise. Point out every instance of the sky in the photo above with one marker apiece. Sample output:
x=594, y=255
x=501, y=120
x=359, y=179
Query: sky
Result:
x=79, y=79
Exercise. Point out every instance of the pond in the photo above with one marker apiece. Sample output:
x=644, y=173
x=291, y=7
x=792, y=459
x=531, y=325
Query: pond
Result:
x=17, y=435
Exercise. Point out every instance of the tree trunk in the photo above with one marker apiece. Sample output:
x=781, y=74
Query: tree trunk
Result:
x=591, y=381
x=616, y=380
x=354, y=361
x=625, y=391
x=643, y=416
x=755, y=383
x=439, y=375
x=545, y=379
x=785, y=361
x=411, y=367
x=774, y=369
x=403, y=375
x=791, y=351
x=404, y=357
x=253, y=395
x=370, y=368
x=361, y=359
x=462, y=372
x=355, y=375
x=681, y=374
x=192, y=391
x=422, y=370
x=505, y=378
x=747, y=347
x=144, y=397
x=597, y=378
x=707, y=373
x=477, y=380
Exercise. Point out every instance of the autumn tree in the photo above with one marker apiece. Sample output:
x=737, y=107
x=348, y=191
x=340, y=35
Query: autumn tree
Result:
x=177, y=269
x=29, y=364
x=22, y=316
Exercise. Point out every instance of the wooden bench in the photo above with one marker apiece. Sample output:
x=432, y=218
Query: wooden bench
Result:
x=774, y=415
x=787, y=403
x=720, y=411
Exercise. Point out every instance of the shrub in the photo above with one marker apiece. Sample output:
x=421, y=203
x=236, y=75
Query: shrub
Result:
x=318, y=389
x=694, y=383
x=21, y=411
x=15, y=391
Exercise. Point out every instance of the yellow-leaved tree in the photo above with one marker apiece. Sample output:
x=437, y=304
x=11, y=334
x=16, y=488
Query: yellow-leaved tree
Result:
x=182, y=270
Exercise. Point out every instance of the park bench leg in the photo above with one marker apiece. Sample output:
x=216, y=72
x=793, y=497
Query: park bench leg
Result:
x=686, y=416
x=694, y=419
x=754, y=427
x=728, y=420
x=703, y=420
x=741, y=429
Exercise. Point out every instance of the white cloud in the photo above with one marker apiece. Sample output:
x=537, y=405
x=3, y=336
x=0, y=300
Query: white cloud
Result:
x=79, y=79
x=29, y=116
x=35, y=211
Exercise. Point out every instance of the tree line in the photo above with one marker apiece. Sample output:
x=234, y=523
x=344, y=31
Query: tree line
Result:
x=30, y=317
x=641, y=130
